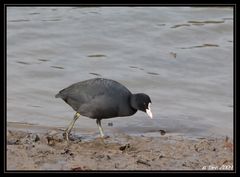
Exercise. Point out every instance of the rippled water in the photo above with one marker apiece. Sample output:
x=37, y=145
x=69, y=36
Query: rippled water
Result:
x=181, y=56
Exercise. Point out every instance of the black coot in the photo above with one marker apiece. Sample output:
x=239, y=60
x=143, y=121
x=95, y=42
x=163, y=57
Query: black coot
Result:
x=102, y=99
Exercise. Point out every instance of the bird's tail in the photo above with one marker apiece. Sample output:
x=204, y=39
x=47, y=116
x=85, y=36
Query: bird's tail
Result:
x=57, y=95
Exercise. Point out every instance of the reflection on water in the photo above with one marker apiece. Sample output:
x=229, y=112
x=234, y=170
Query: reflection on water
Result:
x=199, y=46
x=58, y=67
x=97, y=55
x=152, y=73
x=141, y=47
x=96, y=74
x=22, y=62
x=180, y=25
x=205, y=22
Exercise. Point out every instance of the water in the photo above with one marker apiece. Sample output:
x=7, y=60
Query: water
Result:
x=181, y=56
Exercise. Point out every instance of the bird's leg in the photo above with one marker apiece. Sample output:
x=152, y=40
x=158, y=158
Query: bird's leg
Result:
x=100, y=127
x=68, y=130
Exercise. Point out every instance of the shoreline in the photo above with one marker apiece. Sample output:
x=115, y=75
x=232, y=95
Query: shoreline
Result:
x=47, y=150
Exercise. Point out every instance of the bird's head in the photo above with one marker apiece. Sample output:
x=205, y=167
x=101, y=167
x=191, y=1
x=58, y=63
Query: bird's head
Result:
x=142, y=102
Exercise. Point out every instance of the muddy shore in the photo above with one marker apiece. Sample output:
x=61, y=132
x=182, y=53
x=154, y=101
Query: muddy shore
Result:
x=49, y=151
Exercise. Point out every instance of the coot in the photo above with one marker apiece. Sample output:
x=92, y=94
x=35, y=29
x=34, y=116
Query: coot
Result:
x=101, y=98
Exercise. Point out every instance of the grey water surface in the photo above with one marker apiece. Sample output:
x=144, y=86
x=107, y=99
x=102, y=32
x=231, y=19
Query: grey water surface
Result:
x=181, y=56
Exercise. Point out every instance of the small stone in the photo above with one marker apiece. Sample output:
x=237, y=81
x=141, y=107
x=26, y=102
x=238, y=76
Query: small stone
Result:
x=161, y=156
x=110, y=124
x=122, y=148
x=163, y=132
x=117, y=165
x=77, y=169
x=144, y=162
x=36, y=138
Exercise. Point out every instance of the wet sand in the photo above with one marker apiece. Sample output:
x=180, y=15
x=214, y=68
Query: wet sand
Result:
x=49, y=151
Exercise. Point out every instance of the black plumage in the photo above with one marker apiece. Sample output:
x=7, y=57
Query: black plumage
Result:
x=101, y=98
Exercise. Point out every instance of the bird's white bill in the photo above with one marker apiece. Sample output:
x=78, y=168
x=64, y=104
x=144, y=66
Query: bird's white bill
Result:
x=148, y=111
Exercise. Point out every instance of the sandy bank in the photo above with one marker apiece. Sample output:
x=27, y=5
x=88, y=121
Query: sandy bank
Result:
x=49, y=151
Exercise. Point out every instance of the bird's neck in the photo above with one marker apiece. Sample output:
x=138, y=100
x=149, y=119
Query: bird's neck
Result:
x=133, y=102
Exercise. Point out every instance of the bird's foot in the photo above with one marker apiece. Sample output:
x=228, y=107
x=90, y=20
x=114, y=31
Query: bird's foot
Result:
x=66, y=136
x=105, y=137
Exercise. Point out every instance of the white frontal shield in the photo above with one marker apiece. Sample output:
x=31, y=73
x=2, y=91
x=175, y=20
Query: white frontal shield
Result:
x=148, y=111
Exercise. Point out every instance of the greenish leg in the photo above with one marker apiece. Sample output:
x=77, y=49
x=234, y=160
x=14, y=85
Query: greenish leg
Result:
x=68, y=130
x=100, y=127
